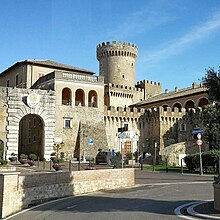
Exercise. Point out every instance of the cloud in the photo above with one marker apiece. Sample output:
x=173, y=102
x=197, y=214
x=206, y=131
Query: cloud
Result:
x=197, y=33
x=139, y=22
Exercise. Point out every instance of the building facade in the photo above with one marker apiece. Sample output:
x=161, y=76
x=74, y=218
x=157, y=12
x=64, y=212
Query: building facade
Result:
x=44, y=103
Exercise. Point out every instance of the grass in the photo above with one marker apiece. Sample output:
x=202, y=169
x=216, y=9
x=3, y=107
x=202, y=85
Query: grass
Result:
x=176, y=169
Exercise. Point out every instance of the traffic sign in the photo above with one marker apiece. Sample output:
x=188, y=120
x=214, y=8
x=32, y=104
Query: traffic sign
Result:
x=199, y=136
x=199, y=142
x=91, y=141
x=123, y=135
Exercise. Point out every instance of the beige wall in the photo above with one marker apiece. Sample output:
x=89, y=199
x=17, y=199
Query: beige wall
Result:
x=18, y=192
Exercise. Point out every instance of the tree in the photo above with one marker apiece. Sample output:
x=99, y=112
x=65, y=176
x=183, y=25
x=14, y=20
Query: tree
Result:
x=212, y=82
x=211, y=113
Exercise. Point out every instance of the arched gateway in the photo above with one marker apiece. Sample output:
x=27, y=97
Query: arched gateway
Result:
x=31, y=122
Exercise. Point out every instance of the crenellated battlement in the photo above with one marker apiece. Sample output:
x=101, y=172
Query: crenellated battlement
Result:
x=129, y=88
x=171, y=112
x=145, y=82
x=133, y=112
x=116, y=49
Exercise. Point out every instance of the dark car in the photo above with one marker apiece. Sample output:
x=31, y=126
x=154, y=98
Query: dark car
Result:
x=109, y=158
x=103, y=157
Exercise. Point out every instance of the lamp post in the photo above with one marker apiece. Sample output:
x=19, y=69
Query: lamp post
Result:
x=83, y=147
x=155, y=155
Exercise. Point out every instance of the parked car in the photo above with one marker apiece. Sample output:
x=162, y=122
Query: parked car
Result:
x=103, y=157
x=109, y=159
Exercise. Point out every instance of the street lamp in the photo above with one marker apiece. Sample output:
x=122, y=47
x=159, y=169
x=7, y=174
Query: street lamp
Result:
x=155, y=155
x=83, y=147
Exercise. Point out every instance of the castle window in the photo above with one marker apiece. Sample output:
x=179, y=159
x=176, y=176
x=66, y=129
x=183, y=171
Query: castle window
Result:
x=189, y=104
x=93, y=99
x=183, y=127
x=66, y=96
x=123, y=76
x=67, y=123
x=80, y=98
x=8, y=83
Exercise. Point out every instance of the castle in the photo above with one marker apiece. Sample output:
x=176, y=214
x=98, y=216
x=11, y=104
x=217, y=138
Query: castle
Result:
x=45, y=103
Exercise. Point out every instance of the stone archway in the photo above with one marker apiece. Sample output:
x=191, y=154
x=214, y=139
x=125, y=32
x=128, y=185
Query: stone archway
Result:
x=31, y=136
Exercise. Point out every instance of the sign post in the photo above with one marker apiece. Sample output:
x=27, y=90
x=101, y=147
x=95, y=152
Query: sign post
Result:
x=199, y=142
x=91, y=142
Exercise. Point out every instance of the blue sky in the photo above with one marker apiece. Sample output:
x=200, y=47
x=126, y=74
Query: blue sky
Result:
x=177, y=39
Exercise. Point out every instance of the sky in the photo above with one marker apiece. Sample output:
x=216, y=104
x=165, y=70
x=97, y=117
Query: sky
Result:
x=177, y=40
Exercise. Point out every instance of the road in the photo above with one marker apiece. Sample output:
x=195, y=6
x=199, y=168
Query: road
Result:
x=150, y=199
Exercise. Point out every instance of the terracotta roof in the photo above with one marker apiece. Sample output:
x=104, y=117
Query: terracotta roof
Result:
x=52, y=64
x=173, y=95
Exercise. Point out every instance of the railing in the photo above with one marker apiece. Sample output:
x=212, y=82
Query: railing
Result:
x=80, y=77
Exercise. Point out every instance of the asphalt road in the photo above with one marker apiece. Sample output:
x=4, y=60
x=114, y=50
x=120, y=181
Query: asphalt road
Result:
x=155, y=196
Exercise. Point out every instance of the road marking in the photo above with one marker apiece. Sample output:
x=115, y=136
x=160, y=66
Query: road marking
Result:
x=70, y=207
x=179, y=214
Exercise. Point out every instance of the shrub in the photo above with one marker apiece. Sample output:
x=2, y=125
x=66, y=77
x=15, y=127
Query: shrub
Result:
x=23, y=156
x=58, y=160
x=32, y=157
x=3, y=162
x=209, y=159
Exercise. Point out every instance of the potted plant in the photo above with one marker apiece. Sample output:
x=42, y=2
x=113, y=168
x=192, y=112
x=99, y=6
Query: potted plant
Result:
x=31, y=159
x=58, y=164
x=53, y=156
x=13, y=157
x=23, y=158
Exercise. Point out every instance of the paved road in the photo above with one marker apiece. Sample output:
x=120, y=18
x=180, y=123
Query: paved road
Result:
x=150, y=199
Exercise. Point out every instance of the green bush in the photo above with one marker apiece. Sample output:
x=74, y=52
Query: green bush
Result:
x=116, y=162
x=23, y=156
x=58, y=160
x=209, y=159
x=32, y=157
x=3, y=162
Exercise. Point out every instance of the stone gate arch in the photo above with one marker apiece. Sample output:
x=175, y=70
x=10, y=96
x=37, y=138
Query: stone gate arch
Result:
x=31, y=136
x=23, y=102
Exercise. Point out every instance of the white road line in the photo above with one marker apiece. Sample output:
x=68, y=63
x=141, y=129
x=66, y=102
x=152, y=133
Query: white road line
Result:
x=70, y=207
x=179, y=214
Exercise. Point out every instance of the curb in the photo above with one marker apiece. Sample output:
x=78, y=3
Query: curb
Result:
x=192, y=212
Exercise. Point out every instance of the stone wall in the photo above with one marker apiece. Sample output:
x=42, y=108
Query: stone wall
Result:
x=20, y=191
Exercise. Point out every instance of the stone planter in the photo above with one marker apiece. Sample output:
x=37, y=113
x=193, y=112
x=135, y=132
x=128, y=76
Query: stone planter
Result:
x=216, y=196
x=23, y=161
x=31, y=162
x=58, y=167
x=13, y=158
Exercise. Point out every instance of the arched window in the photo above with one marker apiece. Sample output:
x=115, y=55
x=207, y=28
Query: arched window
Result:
x=203, y=102
x=189, y=104
x=165, y=107
x=66, y=96
x=93, y=99
x=80, y=98
x=177, y=105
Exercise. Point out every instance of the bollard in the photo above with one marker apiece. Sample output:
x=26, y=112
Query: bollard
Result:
x=70, y=166
x=166, y=166
x=38, y=162
x=44, y=165
x=79, y=165
x=182, y=166
x=50, y=164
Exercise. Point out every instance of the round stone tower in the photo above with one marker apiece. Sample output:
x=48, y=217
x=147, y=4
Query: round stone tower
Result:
x=117, y=62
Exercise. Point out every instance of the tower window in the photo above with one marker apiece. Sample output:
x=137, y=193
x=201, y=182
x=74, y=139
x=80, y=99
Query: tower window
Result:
x=123, y=76
x=67, y=123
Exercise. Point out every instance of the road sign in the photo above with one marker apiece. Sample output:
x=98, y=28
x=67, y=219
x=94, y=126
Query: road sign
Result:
x=91, y=141
x=199, y=142
x=123, y=135
x=199, y=136
x=197, y=130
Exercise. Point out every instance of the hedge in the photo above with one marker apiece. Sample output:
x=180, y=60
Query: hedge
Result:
x=209, y=159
